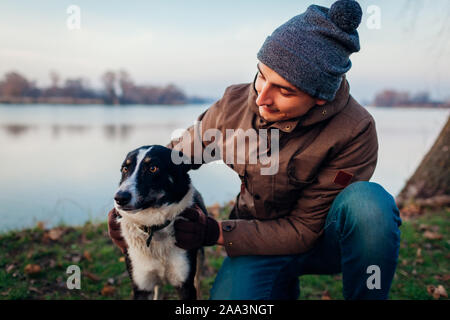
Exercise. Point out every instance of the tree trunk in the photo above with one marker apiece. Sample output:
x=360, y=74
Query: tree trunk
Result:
x=430, y=183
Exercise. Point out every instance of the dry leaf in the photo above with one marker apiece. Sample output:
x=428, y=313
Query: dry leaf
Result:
x=5, y=293
x=55, y=233
x=91, y=276
x=40, y=225
x=419, y=259
x=87, y=255
x=33, y=289
x=122, y=259
x=108, y=290
x=76, y=258
x=9, y=268
x=432, y=235
x=437, y=292
x=326, y=295
x=411, y=210
x=32, y=269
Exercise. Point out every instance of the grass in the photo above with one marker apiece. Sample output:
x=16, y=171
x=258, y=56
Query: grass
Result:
x=422, y=262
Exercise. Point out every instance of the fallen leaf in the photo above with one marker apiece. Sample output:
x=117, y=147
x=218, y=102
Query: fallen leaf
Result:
x=5, y=293
x=419, y=259
x=91, y=276
x=87, y=255
x=122, y=259
x=442, y=291
x=40, y=225
x=33, y=289
x=32, y=269
x=411, y=210
x=9, y=268
x=326, y=295
x=55, y=233
x=432, y=235
x=437, y=292
x=108, y=290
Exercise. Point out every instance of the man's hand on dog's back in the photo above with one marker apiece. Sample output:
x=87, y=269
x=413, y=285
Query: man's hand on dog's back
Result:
x=114, y=230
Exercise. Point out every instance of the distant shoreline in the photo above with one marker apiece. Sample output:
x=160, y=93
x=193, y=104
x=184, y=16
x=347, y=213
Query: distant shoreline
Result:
x=442, y=106
x=85, y=101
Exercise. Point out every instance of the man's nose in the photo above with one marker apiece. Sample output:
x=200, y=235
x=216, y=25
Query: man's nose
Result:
x=122, y=197
x=264, y=96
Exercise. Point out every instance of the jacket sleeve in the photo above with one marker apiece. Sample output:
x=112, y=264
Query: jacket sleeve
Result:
x=191, y=142
x=300, y=230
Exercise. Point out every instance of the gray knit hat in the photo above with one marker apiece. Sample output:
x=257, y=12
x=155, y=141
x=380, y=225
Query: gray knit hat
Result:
x=311, y=51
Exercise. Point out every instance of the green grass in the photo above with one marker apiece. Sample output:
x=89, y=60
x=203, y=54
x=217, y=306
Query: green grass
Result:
x=90, y=248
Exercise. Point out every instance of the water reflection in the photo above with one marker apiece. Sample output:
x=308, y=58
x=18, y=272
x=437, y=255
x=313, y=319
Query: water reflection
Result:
x=63, y=164
x=16, y=130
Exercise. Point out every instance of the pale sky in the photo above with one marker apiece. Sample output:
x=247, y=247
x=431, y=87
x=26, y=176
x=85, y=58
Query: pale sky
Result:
x=205, y=46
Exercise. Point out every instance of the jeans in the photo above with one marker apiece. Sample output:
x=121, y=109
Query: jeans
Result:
x=361, y=231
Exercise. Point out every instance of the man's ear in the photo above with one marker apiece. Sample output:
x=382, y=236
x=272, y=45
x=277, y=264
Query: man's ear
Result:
x=320, y=102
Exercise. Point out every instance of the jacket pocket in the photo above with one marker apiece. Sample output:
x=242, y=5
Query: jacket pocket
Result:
x=299, y=174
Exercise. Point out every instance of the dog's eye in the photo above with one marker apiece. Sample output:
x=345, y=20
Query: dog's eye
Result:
x=153, y=169
x=124, y=170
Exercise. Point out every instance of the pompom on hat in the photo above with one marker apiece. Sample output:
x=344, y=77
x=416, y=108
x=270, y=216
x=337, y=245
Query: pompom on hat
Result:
x=312, y=50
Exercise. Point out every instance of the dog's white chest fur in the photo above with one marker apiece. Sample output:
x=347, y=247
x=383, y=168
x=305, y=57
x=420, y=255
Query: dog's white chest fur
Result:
x=162, y=261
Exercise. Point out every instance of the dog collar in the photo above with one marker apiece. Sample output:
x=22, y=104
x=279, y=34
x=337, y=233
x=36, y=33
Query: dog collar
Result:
x=152, y=229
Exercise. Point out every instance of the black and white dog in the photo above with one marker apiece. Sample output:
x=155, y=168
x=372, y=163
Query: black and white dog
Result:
x=152, y=192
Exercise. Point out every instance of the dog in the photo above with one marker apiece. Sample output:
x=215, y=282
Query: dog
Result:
x=152, y=192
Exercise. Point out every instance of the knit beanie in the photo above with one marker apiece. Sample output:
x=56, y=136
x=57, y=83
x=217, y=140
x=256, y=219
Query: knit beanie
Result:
x=311, y=51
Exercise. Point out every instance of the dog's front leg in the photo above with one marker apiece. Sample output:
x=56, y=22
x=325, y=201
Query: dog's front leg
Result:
x=143, y=289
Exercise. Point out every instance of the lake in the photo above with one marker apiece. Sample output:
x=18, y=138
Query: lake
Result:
x=60, y=164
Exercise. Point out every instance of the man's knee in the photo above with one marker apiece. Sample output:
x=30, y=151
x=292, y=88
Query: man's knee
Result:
x=368, y=206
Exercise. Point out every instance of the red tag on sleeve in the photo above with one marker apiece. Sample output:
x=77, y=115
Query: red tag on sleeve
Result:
x=343, y=178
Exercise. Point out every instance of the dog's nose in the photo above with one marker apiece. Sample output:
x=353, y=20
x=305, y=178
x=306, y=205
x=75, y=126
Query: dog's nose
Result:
x=122, y=197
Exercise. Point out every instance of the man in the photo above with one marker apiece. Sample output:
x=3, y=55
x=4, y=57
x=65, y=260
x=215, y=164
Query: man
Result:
x=318, y=214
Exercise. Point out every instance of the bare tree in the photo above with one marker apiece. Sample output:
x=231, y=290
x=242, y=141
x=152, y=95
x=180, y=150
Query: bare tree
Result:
x=109, y=81
x=430, y=183
x=54, y=78
x=15, y=85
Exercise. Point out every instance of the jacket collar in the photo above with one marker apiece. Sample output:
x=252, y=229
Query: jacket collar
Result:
x=314, y=115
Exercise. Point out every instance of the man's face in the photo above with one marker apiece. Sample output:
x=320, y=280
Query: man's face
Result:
x=278, y=99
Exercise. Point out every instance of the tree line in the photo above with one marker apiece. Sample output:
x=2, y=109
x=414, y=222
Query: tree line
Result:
x=393, y=98
x=118, y=88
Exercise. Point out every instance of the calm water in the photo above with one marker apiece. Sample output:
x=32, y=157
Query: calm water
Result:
x=61, y=164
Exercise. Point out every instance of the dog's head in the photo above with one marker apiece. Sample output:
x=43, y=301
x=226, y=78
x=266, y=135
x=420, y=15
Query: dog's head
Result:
x=150, y=179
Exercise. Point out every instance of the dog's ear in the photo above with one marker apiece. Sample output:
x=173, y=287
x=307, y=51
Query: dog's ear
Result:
x=183, y=162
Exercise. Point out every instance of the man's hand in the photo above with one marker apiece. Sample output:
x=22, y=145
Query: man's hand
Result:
x=114, y=230
x=195, y=229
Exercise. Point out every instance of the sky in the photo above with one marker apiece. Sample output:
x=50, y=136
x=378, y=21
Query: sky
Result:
x=205, y=46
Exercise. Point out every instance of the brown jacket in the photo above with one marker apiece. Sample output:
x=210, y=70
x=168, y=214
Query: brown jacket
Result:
x=319, y=154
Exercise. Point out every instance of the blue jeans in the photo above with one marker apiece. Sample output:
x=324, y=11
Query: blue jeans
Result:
x=361, y=230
